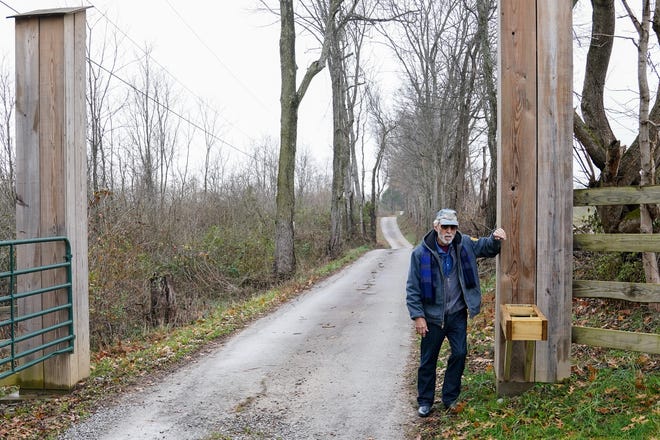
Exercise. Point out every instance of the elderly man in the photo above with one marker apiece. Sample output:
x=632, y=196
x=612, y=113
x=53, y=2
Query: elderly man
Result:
x=442, y=289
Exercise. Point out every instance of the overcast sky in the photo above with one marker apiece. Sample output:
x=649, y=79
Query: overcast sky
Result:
x=227, y=52
x=223, y=51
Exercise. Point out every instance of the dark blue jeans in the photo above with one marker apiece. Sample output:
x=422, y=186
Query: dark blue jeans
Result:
x=455, y=330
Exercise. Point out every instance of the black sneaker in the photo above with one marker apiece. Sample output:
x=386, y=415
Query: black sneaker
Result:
x=424, y=410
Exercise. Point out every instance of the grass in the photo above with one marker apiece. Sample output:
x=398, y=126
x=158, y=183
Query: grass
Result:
x=609, y=395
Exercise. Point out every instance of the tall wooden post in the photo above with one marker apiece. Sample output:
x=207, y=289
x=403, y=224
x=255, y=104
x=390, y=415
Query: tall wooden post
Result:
x=51, y=182
x=535, y=201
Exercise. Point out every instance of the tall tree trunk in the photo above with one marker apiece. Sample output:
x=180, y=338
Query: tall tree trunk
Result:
x=285, y=259
x=606, y=149
x=382, y=128
x=647, y=173
x=339, y=212
x=464, y=120
x=373, y=209
x=488, y=65
x=353, y=176
x=618, y=165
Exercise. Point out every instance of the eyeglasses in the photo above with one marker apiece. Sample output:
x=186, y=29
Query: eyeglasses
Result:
x=452, y=227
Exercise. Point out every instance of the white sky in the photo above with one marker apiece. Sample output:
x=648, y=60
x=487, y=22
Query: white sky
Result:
x=223, y=51
x=227, y=53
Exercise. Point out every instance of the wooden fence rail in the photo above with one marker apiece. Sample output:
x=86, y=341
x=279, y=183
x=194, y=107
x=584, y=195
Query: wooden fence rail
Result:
x=644, y=342
x=626, y=195
x=617, y=242
x=634, y=292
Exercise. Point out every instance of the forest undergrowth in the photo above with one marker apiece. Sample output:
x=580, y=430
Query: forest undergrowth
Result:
x=609, y=394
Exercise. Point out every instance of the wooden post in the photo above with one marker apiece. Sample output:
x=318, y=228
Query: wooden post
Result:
x=51, y=182
x=535, y=182
x=554, y=276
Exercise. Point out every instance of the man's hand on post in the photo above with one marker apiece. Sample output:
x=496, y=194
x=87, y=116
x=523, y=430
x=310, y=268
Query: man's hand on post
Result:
x=499, y=234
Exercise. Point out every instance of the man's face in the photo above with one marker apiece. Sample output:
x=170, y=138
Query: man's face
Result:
x=445, y=234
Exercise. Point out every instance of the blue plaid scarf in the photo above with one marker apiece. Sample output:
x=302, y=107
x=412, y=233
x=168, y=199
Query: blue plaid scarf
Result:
x=428, y=295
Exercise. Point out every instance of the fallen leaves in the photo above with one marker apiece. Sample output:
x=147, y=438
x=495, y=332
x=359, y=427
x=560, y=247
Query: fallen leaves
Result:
x=634, y=422
x=609, y=392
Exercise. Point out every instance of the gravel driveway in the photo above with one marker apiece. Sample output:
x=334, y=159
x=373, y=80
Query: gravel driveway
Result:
x=330, y=364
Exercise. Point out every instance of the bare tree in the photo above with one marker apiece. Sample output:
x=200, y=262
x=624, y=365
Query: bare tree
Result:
x=340, y=216
x=290, y=98
x=415, y=41
x=647, y=171
x=383, y=127
x=312, y=183
x=183, y=170
x=614, y=164
x=101, y=65
x=167, y=130
x=485, y=19
x=358, y=23
x=7, y=158
x=438, y=46
x=594, y=132
x=209, y=124
x=152, y=132
x=348, y=31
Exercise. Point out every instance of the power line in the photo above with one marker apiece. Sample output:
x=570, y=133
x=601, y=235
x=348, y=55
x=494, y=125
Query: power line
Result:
x=9, y=7
x=185, y=87
x=151, y=98
x=170, y=110
x=238, y=80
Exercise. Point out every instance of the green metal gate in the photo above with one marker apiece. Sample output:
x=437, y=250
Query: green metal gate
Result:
x=21, y=349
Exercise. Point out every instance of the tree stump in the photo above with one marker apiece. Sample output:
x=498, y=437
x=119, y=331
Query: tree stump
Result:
x=163, y=300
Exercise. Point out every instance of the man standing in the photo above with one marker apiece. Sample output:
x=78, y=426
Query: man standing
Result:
x=442, y=289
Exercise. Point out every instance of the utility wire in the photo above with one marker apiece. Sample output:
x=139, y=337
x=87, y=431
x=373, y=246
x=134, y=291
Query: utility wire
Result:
x=151, y=98
x=238, y=80
x=185, y=87
x=9, y=7
x=174, y=112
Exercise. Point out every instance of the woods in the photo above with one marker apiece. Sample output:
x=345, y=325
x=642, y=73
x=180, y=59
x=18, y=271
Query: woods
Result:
x=220, y=227
x=184, y=238
x=443, y=151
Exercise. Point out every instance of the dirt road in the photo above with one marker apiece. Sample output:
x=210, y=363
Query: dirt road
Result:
x=329, y=364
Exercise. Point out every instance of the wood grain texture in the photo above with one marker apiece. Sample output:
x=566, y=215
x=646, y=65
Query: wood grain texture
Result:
x=51, y=133
x=517, y=158
x=554, y=240
x=28, y=185
x=51, y=129
x=617, y=242
x=634, y=292
x=641, y=342
x=625, y=195
x=77, y=196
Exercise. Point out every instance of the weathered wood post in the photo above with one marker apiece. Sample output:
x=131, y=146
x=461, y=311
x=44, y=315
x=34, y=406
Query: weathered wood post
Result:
x=535, y=182
x=51, y=182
